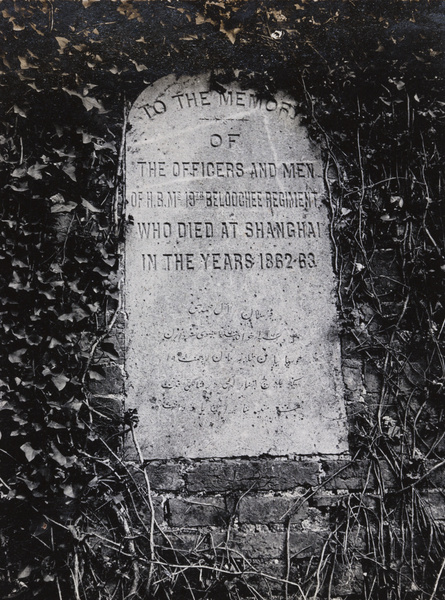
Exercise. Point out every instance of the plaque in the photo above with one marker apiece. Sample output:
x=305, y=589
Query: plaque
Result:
x=232, y=346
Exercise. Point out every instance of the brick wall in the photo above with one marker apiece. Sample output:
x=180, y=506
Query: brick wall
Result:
x=279, y=515
x=286, y=516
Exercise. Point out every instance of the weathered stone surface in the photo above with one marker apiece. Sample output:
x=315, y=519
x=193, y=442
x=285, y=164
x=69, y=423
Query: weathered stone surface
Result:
x=232, y=347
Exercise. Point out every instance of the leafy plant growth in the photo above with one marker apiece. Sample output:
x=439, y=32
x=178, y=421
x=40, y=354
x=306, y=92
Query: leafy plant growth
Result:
x=76, y=521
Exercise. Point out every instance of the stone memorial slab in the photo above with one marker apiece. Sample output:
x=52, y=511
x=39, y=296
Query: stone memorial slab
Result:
x=231, y=340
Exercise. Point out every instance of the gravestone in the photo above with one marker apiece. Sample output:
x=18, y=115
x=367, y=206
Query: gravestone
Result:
x=231, y=340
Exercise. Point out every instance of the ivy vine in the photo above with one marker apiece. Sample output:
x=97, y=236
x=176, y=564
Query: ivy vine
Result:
x=369, y=81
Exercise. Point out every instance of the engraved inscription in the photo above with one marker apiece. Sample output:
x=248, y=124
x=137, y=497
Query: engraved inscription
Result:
x=231, y=341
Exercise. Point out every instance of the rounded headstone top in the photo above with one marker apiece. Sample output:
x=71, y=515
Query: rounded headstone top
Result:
x=231, y=340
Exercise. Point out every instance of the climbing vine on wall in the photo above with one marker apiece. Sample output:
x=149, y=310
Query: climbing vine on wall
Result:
x=369, y=83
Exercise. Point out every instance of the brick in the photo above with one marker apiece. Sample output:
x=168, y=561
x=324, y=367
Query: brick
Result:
x=268, y=544
x=263, y=509
x=434, y=477
x=113, y=383
x=349, y=477
x=385, y=265
x=252, y=475
x=120, y=321
x=374, y=401
x=264, y=572
x=358, y=476
x=389, y=479
x=372, y=380
x=197, y=541
x=162, y=478
x=118, y=340
x=327, y=500
x=315, y=521
x=352, y=378
x=349, y=580
x=353, y=363
x=266, y=581
x=348, y=348
x=165, y=477
x=434, y=502
x=158, y=505
x=262, y=544
x=192, y=512
x=109, y=407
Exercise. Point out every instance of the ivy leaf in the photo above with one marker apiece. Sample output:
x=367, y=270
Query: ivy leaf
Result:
x=140, y=67
x=20, y=333
x=29, y=451
x=73, y=405
x=57, y=199
x=18, y=172
x=24, y=64
x=33, y=339
x=16, y=357
x=73, y=285
x=3, y=384
x=69, y=491
x=130, y=12
x=81, y=259
x=88, y=101
x=61, y=459
x=5, y=405
x=55, y=425
x=109, y=349
x=63, y=208
x=100, y=144
x=15, y=262
x=21, y=186
x=59, y=205
x=94, y=307
x=17, y=284
x=48, y=294
x=60, y=381
x=19, y=111
x=70, y=170
x=34, y=171
x=396, y=200
x=62, y=43
x=97, y=373
x=25, y=573
x=90, y=207
x=77, y=314
x=101, y=271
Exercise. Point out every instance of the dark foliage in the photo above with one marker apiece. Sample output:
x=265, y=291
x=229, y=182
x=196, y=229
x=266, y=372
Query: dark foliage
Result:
x=369, y=80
